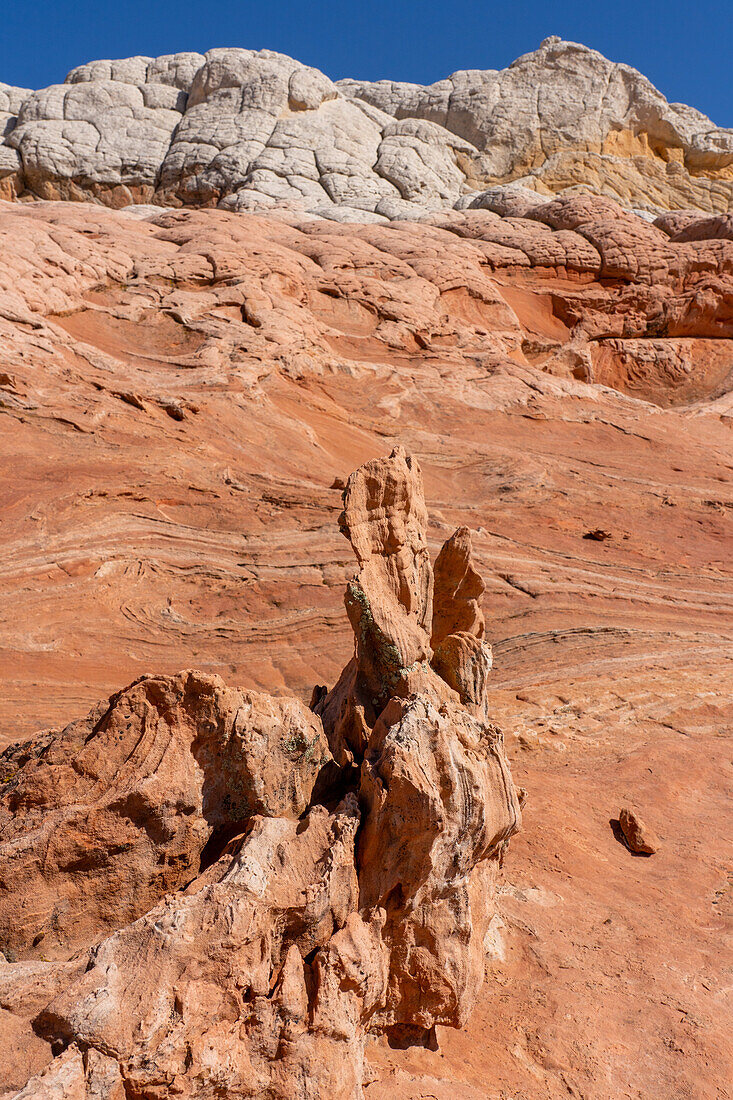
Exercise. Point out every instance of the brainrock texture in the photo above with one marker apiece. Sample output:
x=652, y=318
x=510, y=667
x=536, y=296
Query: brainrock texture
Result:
x=183, y=393
x=564, y=117
x=244, y=129
x=195, y=849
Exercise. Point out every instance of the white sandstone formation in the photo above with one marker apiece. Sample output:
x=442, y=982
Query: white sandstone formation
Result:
x=248, y=130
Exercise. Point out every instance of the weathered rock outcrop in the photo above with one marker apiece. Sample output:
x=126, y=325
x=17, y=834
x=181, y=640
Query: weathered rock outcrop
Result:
x=389, y=602
x=193, y=849
x=247, y=129
x=103, y=818
x=563, y=117
x=458, y=590
x=208, y=993
x=439, y=802
x=461, y=656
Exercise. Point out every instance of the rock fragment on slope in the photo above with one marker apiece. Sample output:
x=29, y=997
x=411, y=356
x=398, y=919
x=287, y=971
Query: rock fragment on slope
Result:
x=639, y=836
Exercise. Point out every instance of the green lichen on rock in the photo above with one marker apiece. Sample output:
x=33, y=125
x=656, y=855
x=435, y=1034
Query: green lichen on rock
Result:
x=371, y=638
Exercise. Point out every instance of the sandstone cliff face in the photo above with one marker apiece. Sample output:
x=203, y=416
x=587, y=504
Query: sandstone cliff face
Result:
x=246, y=130
x=192, y=850
x=175, y=394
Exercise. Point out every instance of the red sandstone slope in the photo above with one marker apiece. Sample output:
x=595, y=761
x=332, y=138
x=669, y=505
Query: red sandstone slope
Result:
x=179, y=399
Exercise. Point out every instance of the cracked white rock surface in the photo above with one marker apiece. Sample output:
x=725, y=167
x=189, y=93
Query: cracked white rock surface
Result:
x=246, y=129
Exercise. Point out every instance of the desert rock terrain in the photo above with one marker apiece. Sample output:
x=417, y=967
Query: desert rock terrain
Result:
x=184, y=394
x=232, y=908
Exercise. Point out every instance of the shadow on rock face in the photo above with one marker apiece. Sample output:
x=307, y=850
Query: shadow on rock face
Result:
x=403, y=1036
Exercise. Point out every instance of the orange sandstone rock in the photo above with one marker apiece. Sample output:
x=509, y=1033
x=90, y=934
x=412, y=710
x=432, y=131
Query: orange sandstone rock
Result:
x=542, y=402
x=639, y=837
x=200, y=857
x=100, y=820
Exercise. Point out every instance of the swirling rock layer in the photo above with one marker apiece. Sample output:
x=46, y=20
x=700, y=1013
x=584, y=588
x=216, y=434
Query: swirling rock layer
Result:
x=116, y=811
x=183, y=395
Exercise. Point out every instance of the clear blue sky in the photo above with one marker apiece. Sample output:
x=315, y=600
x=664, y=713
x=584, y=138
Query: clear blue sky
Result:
x=684, y=48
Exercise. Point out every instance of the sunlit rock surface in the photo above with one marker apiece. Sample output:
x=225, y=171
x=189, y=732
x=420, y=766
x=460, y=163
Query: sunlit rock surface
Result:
x=183, y=395
x=277, y=943
x=256, y=130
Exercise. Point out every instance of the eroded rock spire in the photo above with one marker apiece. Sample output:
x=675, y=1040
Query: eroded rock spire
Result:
x=415, y=631
x=234, y=912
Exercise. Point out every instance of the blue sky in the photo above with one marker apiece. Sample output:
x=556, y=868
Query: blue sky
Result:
x=684, y=48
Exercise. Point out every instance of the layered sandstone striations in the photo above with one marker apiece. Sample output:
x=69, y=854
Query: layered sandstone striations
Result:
x=123, y=803
x=193, y=850
x=175, y=392
x=244, y=129
x=182, y=396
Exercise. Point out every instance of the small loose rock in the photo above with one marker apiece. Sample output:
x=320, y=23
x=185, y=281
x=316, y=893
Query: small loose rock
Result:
x=639, y=837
